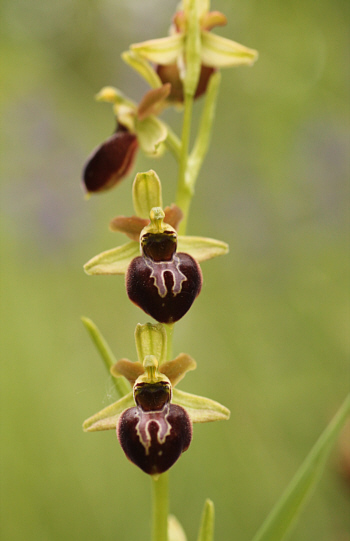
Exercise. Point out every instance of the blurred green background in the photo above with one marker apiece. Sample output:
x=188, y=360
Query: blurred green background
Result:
x=270, y=329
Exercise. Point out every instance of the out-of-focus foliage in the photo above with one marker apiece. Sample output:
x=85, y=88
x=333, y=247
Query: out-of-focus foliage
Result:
x=269, y=331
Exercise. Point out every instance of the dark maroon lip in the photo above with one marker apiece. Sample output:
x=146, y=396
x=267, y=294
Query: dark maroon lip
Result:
x=154, y=440
x=164, y=290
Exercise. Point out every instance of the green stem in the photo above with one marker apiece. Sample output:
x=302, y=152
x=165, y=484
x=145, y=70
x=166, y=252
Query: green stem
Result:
x=160, y=497
x=169, y=333
x=184, y=191
x=173, y=143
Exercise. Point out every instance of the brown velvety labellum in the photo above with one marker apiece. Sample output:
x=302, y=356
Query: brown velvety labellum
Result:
x=110, y=162
x=165, y=290
x=154, y=440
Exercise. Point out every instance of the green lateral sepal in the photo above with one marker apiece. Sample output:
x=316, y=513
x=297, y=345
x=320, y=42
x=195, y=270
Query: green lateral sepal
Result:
x=107, y=418
x=200, y=408
x=221, y=52
x=114, y=261
x=201, y=248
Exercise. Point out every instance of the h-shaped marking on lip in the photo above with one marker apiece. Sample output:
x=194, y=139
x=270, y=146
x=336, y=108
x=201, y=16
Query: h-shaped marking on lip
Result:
x=143, y=426
x=158, y=269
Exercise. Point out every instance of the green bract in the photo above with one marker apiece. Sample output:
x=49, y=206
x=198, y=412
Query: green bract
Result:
x=147, y=194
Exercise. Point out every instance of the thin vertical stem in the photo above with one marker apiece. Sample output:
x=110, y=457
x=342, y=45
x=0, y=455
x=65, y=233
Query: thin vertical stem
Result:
x=184, y=191
x=169, y=332
x=160, y=497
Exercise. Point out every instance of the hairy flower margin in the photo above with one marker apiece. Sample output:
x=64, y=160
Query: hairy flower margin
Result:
x=181, y=63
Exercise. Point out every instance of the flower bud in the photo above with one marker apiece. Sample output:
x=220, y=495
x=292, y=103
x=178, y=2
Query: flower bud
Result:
x=111, y=161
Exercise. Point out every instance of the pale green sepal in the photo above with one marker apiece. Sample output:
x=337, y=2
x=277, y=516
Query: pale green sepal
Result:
x=121, y=385
x=151, y=339
x=107, y=418
x=115, y=261
x=206, y=530
x=175, y=530
x=162, y=50
x=201, y=248
x=192, y=50
x=151, y=132
x=288, y=507
x=200, y=408
x=146, y=194
x=200, y=148
x=221, y=52
x=142, y=67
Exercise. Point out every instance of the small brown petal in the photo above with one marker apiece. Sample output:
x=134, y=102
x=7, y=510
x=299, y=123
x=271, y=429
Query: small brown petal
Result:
x=130, y=370
x=131, y=226
x=173, y=215
x=212, y=19
x=153, y=102
x=110, y=162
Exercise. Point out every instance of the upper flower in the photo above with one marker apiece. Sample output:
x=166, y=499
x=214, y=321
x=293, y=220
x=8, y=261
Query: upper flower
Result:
x=147, y=195
x=190, y=42
x=137, y=126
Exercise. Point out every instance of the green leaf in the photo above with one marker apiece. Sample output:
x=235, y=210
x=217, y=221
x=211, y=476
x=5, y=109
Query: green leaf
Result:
x=151, y=339
x=175, y=530
x=162, y=50
x=115, y=261
x=146, y=193
x=107, y=418
x=141, y=65
x=220, y=52
x=104, y=350
x=200, y=408
x=201, y=248
x=287, y=509
x=206, y=531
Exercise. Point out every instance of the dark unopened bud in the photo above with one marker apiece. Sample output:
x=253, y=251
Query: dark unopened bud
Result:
x=111, y=161
x=154, y=440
